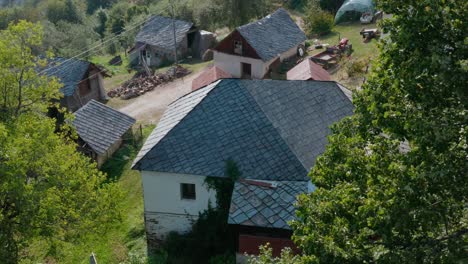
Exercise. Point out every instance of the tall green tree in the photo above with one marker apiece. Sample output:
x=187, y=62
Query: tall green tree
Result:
x=317, y=20
x=63, y=10
x=48, y=191
x=392, y=184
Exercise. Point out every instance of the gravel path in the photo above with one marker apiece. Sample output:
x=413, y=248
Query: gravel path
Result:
x=148, y=108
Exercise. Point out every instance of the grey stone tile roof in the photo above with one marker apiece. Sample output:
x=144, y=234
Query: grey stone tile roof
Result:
x=256, y=204
x=158, y=31
x=273, y=130
x=101, y=126
x=273, y=34
x=70, y=72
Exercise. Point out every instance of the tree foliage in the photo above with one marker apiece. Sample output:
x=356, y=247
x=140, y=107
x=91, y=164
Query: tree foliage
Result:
x=212, y=14
x=93, y=5
x=67, y=39
x=331, y=6
x=317, y=21
x=63, y=10
x=48, y=191
x=381, y=200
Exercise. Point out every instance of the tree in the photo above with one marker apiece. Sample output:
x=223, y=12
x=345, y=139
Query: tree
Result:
x=331, y=6
x=391, y=185
x=93, y=5
x=59, y=10
x=317, y=21
x=67, y=39
x=234, y=13
x=102, y=18
x=48, y=191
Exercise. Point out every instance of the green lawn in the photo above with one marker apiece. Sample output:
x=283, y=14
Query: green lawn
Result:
x=361, y=50
x=351, y=31
x=120, y=73
x=194, y=65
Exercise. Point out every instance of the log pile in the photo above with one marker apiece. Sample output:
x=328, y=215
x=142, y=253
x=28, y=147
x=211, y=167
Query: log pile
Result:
x=141, y=83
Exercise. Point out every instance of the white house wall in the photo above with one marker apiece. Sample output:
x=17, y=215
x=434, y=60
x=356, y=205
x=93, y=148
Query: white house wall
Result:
x=165, y=210
x=288, y=54
x=232, y=64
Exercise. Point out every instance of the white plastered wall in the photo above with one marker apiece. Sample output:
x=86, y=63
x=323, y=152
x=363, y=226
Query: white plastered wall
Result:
x=232, y=64
x=165, y=210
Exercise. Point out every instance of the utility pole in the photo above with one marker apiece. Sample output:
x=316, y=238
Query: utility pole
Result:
x=174, y=31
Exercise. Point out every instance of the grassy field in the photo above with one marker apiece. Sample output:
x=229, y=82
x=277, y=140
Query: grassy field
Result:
x=120, y=73
x=351, y=32
x=361, y=51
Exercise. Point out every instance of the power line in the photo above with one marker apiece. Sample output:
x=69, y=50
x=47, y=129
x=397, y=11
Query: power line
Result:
x=101, y=45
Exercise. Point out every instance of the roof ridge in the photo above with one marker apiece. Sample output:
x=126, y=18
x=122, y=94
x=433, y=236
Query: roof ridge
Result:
x=135, y=162
x=262, y=18
x=106, y=106
x=170, y=18
x=272, y=123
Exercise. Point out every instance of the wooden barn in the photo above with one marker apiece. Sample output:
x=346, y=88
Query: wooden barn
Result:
x=82, y=81
x=101, y=130
x=154, y=44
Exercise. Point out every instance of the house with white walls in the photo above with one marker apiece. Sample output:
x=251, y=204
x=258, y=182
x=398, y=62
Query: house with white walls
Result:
x=251, y=51
x=272, y=130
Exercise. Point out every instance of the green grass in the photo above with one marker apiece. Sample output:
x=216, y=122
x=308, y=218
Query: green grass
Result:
x=351, y=31
x=361, y=50
x=120, y=73
x=194, y=65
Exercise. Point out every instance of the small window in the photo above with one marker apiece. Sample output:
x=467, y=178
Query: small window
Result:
x=187, y=191
x=238, y=47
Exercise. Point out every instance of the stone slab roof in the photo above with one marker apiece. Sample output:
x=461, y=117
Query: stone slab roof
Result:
x=265, y=204
x=273, y=34
x=70, y=72
x=308, y=70
x=158, y=31
x=101, y=126
x=273, y=130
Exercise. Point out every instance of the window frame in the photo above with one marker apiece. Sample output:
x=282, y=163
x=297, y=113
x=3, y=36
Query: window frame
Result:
x=238, y=47
x=183, y=194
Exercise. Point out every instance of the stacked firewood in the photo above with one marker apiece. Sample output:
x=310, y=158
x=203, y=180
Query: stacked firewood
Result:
x=142, y=83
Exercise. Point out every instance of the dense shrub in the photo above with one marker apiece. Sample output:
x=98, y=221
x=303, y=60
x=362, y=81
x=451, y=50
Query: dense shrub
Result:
x=318, y=21
x=331, y=6
x=297, y=4
x=356, y=67
x=63, y=11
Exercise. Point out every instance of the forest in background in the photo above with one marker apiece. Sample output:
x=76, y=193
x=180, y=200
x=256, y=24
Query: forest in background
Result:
x=72, y=26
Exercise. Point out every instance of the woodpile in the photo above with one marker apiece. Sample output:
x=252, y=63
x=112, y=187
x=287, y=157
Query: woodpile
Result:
x=141, y=83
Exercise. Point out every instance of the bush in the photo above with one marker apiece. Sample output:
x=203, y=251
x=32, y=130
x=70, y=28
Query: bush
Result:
x=318, y=21
x=356, y=67
x=331, y=5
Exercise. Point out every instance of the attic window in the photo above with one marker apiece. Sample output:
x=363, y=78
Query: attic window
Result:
x=238, y=47
x=187, y=191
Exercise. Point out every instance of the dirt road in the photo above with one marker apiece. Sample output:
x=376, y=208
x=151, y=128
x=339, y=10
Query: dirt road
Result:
x=149, y=107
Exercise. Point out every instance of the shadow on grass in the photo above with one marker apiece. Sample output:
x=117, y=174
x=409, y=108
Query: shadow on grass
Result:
x=122, y=159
